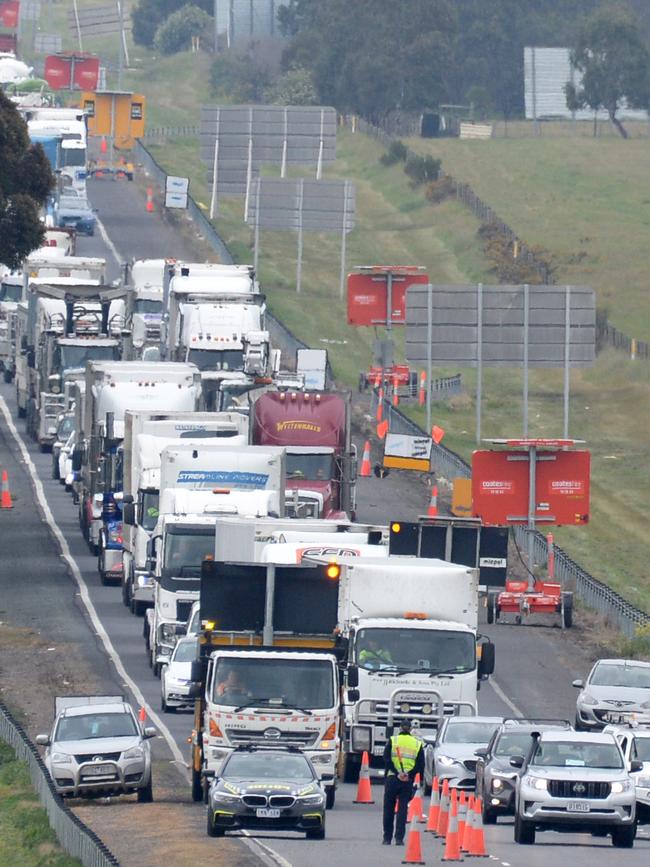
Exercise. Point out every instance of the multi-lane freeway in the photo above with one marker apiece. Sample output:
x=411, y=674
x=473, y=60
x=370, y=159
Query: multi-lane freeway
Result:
x=535, y=664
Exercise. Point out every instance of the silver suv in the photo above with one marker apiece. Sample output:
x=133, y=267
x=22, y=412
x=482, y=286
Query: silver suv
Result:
x=98, y=747
x=576, y=782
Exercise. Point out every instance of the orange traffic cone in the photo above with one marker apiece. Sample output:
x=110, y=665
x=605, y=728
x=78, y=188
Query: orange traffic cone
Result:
x=414, y=845
x=5, y=497
x=466, y=839
x=365, y=470
x=380, y=404
x=432, y=511
x=149, y=200
x=452, y=843
x=364, y=792
x=415, y=804
x=434, y=808
x=103, y=147
x=395, y=391
x=422, y=394
x=443, y=815
x=142, y=716
x=378, y=380
x=477, y=839
x=462, y=814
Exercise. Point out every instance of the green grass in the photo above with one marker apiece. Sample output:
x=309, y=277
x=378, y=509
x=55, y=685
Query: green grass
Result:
x=26, y=839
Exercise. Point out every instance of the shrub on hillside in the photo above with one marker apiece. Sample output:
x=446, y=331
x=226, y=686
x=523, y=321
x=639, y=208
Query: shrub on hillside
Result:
x=422, y=169
x=148, y=15
x=294, y=87
x=239, y=78
x=396, y=153
x=176, y=33
x=441, y=189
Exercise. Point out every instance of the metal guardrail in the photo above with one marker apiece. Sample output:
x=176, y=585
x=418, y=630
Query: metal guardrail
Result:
x=74, y=836
x=594, y=593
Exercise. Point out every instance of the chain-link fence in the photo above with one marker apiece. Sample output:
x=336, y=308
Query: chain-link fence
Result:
x=75, y=837
x=162, y=133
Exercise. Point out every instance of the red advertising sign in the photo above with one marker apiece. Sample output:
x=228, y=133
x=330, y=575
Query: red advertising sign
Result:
x=500, y=487
x=9, y=13
x=368, y=291
x=68, y=71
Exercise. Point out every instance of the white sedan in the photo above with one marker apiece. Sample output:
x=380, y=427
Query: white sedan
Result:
x=175, y=676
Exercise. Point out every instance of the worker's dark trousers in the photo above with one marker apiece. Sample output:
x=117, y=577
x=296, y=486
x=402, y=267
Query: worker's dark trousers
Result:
x=394, y=790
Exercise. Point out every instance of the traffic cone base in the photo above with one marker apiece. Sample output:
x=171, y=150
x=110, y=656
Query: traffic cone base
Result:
x=466, y=839
x=364, y=792
x=432, y=511
x=5, y=497
x=413, y=845
x=366, y=469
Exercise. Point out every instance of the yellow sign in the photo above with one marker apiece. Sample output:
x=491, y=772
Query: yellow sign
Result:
x=461, y=499
x=117, y=115
x=421, y=465
x=298, y=425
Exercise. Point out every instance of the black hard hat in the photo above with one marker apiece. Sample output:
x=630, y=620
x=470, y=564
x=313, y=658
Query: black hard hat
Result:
x=406, y=724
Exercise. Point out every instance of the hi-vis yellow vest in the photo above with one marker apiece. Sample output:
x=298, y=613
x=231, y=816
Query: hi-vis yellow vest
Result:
x=404, y=751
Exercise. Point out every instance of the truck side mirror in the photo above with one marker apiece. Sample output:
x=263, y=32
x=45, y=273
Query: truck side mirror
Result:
x=353, y=676
x=635, y=766
x=198, y=671
x=353, y=695
x=486, y=662
x=128, y=514
x=77, y=458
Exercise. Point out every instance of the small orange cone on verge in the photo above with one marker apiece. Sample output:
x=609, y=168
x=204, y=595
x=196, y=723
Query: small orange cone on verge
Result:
x=443, y=815
x=364, y=792
x=5, y=497
x=432, y=511
x=382, y=429
x=149, y=200
x=423, y=384
x=380, y=404
x=477, y=839
x=365, y=470
x=415, y=804
x=142, y=716
x=434, y=808
x=452, y=843
x=414, y=845
x=103, y=147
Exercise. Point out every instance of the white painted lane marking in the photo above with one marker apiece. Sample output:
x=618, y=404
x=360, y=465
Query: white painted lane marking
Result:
x=105, y=238
x=83, y=587
x=504, y=698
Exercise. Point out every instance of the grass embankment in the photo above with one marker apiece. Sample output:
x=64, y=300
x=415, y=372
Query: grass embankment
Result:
x=578, y=198
x=26, y=839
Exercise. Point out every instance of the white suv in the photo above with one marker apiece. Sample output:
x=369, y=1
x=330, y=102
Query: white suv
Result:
x=576, y=782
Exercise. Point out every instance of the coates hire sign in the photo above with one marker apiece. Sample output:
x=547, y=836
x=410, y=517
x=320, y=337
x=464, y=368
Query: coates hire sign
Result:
x=71, y=71
x=230, y=478
x=500, y=487
x=368, y=296
x=9, y=13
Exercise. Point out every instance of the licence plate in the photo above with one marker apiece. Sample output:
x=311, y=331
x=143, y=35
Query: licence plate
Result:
x=268, y=813
x=578, y=807
x=98, y=770
x=378, y=750
x=616, y=717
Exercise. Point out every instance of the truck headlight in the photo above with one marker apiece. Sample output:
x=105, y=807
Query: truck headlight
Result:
x=536, y=782
x=144, y=580
x=61, y=758
x=619, y=786
x=361, y=739
x=320, y=760
x=133, y=753
x=643, y=782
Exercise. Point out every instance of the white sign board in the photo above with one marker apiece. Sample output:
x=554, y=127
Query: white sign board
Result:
x=312, y=363
x=176, y=200
x=407, y=453
x=176, y=192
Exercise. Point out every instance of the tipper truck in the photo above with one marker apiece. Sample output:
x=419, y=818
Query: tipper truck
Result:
x=268, y=669
x=197, y=486
x=315, y=429
x=146, y=434
x=411, y=629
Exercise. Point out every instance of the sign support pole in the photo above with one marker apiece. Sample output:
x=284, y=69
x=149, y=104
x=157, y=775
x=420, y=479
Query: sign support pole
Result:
x=319, y=165
x=479, y=358
x=215, y=170
x=268, y=605
x=344, y=237
x=526, y=350
x=300, y=233
x=429, y=351
x=249, y=167
x=283, y=167
x=567, y=359
x=256, y=250
x=532, y=503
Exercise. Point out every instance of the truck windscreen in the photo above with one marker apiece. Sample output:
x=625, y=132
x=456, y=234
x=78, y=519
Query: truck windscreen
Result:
x=217, y=359
x=148, y=305
x=10, y=292
x=185, y=550
x=149, y=510
x=77, y=356
x=414, y=650
x=274, y=683
x=313, y=467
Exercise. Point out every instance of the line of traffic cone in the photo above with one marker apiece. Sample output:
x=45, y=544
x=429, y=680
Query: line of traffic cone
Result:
x=452, y=843
x=434, y=808
x=432, y=511
x=443, y=815
x=415, y=804
x=380, y=404
x=462, y=814
x=366, y=469
x=364, y=792
x=476, y=841
x=395, y=391
x=414, y=845
x=422, y=393
x=469, y=825
x=5, y=496
x=150, y=207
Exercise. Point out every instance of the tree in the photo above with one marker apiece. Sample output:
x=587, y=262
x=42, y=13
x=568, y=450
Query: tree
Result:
x=148, y=15
x=25, y=183
x=614, y=63
x=294, y=87
x=176, y=33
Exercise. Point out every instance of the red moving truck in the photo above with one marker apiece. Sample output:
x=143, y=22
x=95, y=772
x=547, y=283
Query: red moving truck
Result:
x=314, y=427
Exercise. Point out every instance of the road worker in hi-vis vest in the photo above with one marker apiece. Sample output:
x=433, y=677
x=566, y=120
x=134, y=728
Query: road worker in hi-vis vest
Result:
x=403, y=759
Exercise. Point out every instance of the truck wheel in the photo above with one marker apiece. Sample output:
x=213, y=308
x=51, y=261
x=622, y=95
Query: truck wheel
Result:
x=567, y=610
x=55, y=470
x=145, y=795
x=491, y=607
x=330, y=797
x=524, y=831
x=6, y=375
x=156, y=669
x=164, y=707
x=138, y=607
x=145, y=634
x=197, y=786
x=623, y=837
x=489, y=816
x=126, y=596
x=212, y=829
x=45, y=448
x=351, y=769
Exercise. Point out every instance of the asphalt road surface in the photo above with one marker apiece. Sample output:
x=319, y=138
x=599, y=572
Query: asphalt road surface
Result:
x=535, y=664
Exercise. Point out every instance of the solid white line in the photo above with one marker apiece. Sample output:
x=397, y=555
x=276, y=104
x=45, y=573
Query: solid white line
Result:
x=504, y=698
x=83, y=587
x=105, y=238
x=267, y=854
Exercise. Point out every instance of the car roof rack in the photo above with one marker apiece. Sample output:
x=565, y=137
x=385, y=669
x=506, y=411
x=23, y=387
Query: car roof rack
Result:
x=512, y=721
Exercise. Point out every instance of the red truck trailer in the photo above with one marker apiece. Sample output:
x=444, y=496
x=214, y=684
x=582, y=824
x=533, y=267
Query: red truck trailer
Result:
x=314, y=427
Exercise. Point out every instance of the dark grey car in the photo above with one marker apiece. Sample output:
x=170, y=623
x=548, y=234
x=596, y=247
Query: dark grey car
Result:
x=496, y=779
